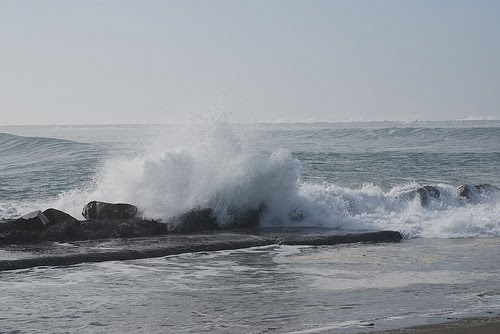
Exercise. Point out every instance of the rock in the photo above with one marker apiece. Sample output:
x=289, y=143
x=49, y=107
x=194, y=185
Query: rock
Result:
x=55, y=225
x=100, y=229
x=251, y=218
x=128, y=230
x=197, y=220
x=244, y=218
x=466, y=191
x=58, y=217
x=194, y=220
x=425, y=194
x=35, y=220
x=101, y=210
x=69, y=231
x=121, y=228
x=28, y=228
x=472, y=191
x=153, y=227
x=62, y=226
x=15, y=237
x=487, y=188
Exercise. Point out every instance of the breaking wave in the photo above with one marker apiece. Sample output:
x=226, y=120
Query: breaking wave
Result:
x=214, y=168
x=217, y=171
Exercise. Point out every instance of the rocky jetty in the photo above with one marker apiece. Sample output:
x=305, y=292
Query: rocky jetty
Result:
x=18, y=232
x=54, y=254
x=36, y=226
x=38, y=235
x=109, y=220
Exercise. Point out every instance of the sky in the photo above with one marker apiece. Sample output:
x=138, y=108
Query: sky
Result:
x=148, y=61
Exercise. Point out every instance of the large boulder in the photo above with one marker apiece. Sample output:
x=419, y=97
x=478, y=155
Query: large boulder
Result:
x=467, y=191
x=425, y=194
x=38, y=226
x=472, y=191
x=194, y=220
x=58, y=217
x=62, y=226
x=107, y=211
x=248, y=218
x=35, y=220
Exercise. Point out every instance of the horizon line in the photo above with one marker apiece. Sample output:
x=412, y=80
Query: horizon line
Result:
x=132, y=123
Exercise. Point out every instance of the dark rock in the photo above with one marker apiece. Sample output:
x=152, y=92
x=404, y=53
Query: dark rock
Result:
x=26, y=229
x=35, y=220
x=15, y=237
x=58, y=217
x=244, y=218
x=100, y=210
x=63, y=227
x=69, y=231
x=121, y=228
x=425, y=194
x=197, y=220
x=153, y=227
x=100, y=229
x=466, y=191
x=128, y=230
x=472, y=191
x=194, y=220
x=487, y=188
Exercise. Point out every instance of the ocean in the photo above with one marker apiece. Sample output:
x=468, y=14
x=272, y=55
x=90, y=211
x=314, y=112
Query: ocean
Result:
x=349, y=176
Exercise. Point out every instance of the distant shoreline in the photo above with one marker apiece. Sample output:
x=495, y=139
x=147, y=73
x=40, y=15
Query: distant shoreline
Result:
x=461, y=326
x=348, y=123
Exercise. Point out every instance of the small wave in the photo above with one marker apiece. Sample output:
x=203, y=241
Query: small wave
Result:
x=20, y=150
x=20, y=144
x=33, y=168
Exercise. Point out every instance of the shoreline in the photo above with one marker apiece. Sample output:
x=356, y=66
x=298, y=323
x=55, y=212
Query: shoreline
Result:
x=475, y=325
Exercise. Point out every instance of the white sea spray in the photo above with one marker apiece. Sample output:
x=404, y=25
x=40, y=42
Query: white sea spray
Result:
x=213, y=167
x=316, y=181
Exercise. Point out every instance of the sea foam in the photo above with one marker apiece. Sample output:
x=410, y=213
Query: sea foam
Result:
x=212, y=166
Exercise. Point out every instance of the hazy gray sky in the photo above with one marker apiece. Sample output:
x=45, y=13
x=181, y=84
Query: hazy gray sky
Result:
x=95, y=61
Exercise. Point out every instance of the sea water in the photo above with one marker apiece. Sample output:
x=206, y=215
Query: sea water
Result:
x=335, y=175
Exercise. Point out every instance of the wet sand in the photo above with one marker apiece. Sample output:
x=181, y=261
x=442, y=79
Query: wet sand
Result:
x=463, y=326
